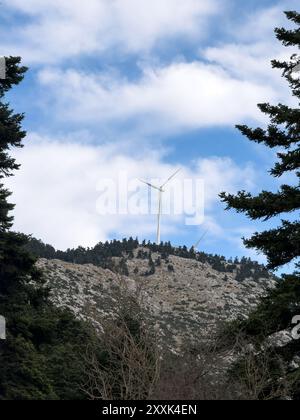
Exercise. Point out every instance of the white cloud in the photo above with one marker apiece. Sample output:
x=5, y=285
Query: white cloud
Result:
x=222, y=90
x=56, y=191
x=250, y=62
x=181, y=95
x=259, y=25
x=253, y=44
x=57, y=30
x=221, y=174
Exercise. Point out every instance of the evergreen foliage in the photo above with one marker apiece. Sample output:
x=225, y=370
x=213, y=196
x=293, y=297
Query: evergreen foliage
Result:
x=281, y=245
x=41, y=356
x=102, y=254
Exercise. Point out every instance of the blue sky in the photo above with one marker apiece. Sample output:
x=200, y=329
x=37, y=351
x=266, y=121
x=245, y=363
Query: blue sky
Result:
x=145, y=87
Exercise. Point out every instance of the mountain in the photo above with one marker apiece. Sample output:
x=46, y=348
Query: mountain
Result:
x=185, y=294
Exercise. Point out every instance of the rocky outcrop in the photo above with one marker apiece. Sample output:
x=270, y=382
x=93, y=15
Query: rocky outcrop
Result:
x=185, y=299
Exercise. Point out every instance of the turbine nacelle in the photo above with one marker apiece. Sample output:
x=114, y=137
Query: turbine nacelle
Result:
x=152, y=186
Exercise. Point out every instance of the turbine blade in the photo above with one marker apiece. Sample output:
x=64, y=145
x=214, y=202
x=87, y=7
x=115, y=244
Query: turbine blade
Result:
x=149, y=185
x=198, y=242
x=171, y=177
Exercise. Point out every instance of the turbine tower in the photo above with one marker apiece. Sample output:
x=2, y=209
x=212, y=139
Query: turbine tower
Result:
x=160, y=194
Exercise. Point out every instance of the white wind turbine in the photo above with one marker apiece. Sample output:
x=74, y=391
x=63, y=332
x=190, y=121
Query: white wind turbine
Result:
x=198, y=242
x=160, y=193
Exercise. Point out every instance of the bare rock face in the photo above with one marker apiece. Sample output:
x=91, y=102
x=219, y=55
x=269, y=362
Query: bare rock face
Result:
x=185, y=299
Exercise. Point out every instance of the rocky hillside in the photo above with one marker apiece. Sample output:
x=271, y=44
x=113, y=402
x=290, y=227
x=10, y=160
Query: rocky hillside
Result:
x=184, y=297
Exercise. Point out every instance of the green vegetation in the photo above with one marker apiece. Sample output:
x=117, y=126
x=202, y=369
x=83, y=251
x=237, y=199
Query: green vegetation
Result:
x=281, y=245
x=102, y=255
x=42, y=355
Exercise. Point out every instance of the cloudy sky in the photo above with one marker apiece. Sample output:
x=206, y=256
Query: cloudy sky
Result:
x=140, y=88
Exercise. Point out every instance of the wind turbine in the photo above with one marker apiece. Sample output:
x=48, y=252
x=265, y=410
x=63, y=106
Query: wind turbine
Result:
x=160, y=193
x=198, y=242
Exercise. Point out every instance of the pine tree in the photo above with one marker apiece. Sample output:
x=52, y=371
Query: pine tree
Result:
x=41, y=357
x=280, y=245
x=15, y=263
